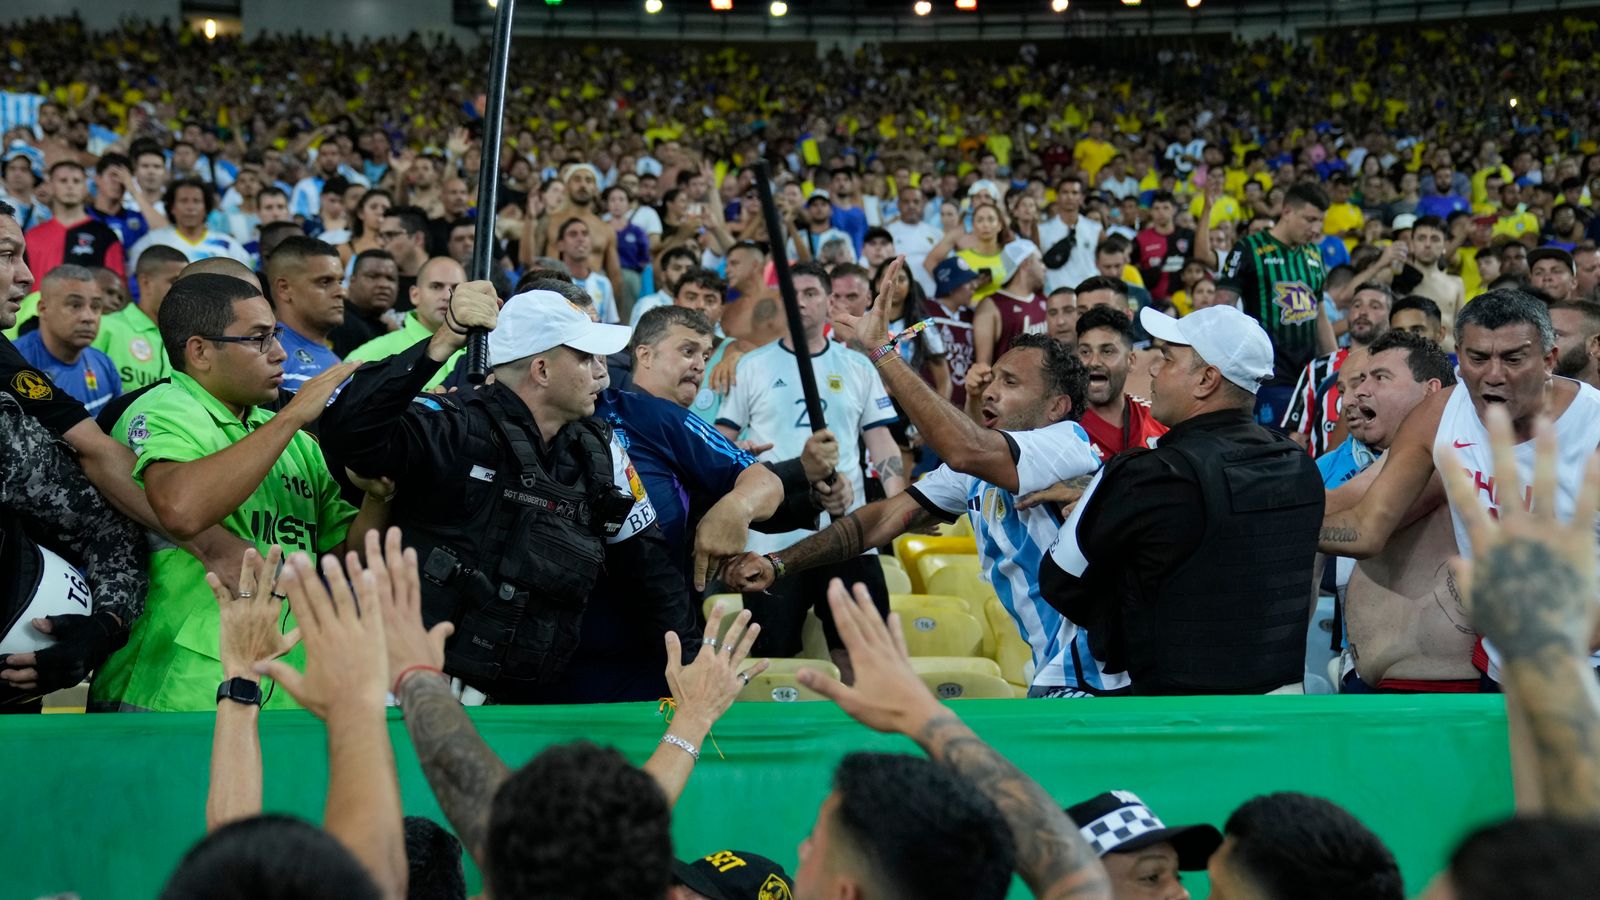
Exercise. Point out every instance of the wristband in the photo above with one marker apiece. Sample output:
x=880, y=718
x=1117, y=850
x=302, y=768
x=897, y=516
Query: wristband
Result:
x=778, y=568
x=885, y=351
x=420, y=667
x=681, y=744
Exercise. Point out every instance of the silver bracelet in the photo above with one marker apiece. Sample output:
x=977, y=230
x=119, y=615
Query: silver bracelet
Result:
x=682, y=744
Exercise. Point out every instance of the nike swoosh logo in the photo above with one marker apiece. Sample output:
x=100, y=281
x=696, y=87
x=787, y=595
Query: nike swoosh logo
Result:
x=1459, y=444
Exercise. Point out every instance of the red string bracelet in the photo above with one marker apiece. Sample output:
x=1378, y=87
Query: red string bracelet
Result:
x=420, y=667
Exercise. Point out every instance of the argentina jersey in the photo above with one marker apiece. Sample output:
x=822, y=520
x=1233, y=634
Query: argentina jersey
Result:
x=1012, y=543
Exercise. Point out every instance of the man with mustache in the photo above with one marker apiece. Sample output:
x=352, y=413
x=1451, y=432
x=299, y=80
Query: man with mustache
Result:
x=1406, y=629
x=1115, y=420
x=1313, y=419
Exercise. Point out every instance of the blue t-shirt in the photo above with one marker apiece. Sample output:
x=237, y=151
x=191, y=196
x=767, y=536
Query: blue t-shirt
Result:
x=129, y=225
x=92, y=380
x=633, y=248
x=1344, y=462
x=1334, y=253
x=852, y=221
x=307, y=358
x=684, y=462
x=1442, y=205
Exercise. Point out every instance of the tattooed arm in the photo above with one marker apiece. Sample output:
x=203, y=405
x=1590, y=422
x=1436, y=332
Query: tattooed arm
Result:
x=461, y=769
x=886, y=458
x=1362, y=528
x=872, y=525
x=1530, y=585
x=888, y=696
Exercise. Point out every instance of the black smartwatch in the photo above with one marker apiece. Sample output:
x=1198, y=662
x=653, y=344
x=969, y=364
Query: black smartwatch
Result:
x=240, y=690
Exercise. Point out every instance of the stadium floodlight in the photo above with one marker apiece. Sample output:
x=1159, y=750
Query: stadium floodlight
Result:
x=722, y=5
x=1131, y=2
x=967, y=5
x=922, y=7
x=494, y=4
x=652, y=6
x=210, y=30
x=1059, y=6
x=778, y=9
x=1192, y=4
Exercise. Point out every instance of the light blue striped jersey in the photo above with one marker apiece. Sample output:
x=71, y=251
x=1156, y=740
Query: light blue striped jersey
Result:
x=1012, y=544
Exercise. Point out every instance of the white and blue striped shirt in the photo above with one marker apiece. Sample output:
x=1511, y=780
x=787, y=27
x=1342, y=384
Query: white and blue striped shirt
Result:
x=1012, y=544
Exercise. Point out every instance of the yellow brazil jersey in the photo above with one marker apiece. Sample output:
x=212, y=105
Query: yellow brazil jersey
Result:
x=1092, y=155
x=1343, y=218
x=1516, y=226
x=1226, y=209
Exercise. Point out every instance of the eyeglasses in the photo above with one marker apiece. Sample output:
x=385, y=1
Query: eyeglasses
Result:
x=391, y=235
x=263, y=342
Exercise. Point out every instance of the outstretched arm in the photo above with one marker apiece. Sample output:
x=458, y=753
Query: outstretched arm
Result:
x=1052, y=857
x=872, y=525
x=964, y=445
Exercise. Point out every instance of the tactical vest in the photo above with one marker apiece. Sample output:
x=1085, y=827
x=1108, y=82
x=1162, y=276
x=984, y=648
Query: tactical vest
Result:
x=515, y=574
x=1232, y=619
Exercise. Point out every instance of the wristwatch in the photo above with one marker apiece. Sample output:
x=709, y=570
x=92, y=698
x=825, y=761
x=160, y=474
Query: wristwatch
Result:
x=240, y=690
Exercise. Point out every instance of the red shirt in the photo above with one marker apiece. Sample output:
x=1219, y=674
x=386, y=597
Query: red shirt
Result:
x=1018, y=315
x=87, y=242
x=1140, y=431
x=1161, y=258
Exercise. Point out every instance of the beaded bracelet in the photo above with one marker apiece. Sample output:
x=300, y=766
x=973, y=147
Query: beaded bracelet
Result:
x=682, y=744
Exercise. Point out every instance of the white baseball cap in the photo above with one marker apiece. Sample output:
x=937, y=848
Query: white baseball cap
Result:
x=535, y=321
x=1403, y=221
x=1223, y=336
x=1013, y=255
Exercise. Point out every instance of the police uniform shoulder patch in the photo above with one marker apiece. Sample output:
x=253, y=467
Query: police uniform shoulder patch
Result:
x=32, y=385
x=774, y=888
x=428, y=402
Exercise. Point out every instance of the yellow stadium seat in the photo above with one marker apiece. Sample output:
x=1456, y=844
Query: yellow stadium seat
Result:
x=1011, y=652
x=895, y=578
x=961, y=526
x=929, y=563
x=961, y=581
x=901, y=601
x=813, y=641
x=932, y=629
x=907, y=547
x=732, y=605
x=962, y=678
x=778, y=684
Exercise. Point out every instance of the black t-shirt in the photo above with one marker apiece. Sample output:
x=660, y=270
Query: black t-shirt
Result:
x=1406, y=281
x=402, y=297
x=37, y=394
x=358, y=328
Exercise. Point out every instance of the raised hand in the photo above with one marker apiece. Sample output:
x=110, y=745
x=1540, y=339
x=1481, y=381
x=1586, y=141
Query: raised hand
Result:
x=346, y=655
x=870, y=330
x=704, y=689
x=887, y=695
x=249, y=632
x=1530, y=585
x=396, y=587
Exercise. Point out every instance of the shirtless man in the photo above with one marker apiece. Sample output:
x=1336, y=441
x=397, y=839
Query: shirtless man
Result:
x=1429, y=241
x=1507, y=352
x=752, y=318
x=1407, y=632
x=583, y=186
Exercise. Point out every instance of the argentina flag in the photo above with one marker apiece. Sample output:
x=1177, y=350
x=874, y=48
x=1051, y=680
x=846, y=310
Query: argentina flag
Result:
x=19, y=109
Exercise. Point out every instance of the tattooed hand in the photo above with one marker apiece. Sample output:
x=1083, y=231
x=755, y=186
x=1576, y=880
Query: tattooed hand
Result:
x=1530, y=585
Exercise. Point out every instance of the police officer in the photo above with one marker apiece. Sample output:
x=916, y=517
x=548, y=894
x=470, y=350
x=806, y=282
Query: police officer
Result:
x=514, y=495
x=71, y=567
x=1189, y=562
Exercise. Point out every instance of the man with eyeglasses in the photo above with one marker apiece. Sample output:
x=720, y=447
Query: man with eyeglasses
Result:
x=404, y=233
x=208, y=454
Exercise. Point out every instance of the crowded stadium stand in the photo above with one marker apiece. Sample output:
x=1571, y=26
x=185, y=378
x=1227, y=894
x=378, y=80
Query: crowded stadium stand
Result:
x=422, y=379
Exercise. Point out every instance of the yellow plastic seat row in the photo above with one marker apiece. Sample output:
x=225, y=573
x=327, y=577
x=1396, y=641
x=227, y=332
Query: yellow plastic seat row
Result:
x=908, y=547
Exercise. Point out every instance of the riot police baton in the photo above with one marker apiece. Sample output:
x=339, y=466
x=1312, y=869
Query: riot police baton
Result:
x=488, y=182
x=791, y=303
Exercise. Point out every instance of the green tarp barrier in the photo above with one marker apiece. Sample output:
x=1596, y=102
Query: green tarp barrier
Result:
x=105, y=805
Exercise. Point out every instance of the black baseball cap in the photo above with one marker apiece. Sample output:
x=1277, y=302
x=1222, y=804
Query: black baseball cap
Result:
x=1556, y=253
x=735, y=875
x=877, y=233
x=1119, y=822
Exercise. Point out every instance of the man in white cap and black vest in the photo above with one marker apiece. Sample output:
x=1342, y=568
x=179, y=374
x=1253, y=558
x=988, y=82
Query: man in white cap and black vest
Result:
x=514, y=495
x=1188, y=563
x=1142, y=854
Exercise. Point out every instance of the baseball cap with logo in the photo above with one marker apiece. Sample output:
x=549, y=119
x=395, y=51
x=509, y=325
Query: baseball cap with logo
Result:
x=1223, y=336
x=535, y=321
x=1119, y=822
x=1013, y=255
x=735, y=875
x=950, y=274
